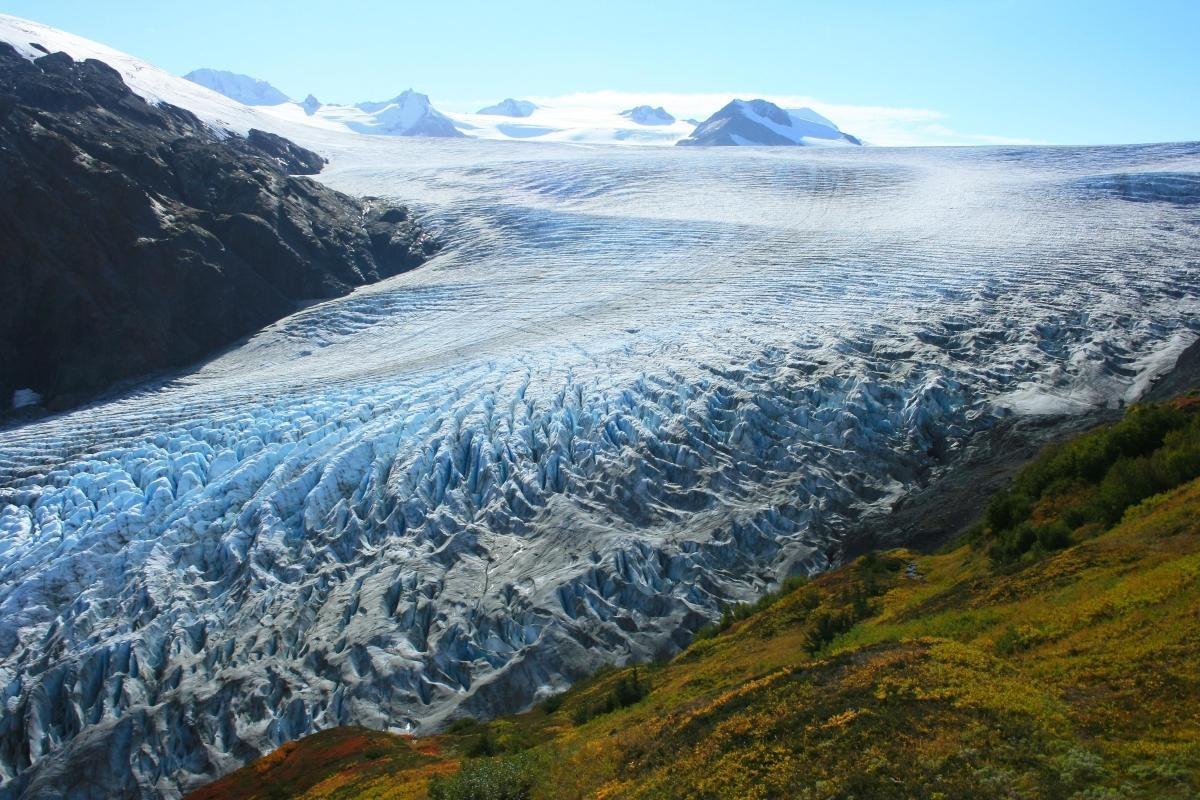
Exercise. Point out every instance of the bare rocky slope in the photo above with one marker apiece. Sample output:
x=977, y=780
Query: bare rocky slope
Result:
x=135, y=238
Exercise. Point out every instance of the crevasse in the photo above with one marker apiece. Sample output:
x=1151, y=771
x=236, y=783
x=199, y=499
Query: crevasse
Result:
x=635, y=386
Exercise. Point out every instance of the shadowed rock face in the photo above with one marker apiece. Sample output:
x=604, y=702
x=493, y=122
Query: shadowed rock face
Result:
x=136, y=239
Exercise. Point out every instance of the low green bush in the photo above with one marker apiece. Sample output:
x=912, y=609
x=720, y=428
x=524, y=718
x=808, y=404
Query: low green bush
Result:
x=628, y=690
x=462, y=725
x=741, y=611
x=507, y=778
x=483, y=745
x=1096, y=478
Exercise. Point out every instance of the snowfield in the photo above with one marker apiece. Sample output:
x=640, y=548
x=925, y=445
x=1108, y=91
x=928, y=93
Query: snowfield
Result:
x=638, y=383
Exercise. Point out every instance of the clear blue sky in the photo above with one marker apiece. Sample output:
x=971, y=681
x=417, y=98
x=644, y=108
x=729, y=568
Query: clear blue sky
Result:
x=1062, y=71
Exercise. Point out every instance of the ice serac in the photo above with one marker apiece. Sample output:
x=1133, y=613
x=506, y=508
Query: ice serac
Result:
x=647, y=115
x=407, y=114
x=509, y=108
x=762, y=123
x=136, y=238
x=242, y=88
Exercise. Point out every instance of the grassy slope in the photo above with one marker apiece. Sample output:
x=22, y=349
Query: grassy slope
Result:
x=1074, y=673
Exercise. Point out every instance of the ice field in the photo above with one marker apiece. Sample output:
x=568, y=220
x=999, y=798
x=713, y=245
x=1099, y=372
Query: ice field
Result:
x=636, y=384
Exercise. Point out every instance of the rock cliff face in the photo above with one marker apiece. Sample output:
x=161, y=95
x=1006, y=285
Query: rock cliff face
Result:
x=134, y=238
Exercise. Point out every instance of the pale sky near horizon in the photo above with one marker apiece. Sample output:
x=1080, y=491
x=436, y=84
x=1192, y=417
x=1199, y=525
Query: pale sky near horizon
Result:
x=1057, y=71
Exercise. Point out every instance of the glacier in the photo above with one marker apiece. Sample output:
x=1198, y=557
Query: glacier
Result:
x=637, y=385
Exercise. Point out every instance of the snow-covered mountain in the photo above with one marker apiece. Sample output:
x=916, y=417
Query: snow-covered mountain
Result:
x=646, y=115
x=760, y=122
x=242, y=88
x=808, y=115
x=410, y=114
x=509, y=108
x=407, y=114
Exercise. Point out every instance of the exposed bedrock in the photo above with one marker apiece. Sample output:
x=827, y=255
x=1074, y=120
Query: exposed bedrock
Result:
x=134, y=238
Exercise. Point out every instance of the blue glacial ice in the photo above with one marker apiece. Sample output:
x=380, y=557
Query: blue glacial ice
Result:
x=635, y=386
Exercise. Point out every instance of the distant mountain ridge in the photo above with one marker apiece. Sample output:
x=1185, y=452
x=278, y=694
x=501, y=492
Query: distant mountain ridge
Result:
x=646, y=115
x=409, y=113
x=762, y=123
x=243, y=88
x=219, y=104
x=509, y=108
x=739, y=123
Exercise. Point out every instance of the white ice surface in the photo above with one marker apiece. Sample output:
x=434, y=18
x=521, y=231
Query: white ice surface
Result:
x=571, y=124
x=636, y=383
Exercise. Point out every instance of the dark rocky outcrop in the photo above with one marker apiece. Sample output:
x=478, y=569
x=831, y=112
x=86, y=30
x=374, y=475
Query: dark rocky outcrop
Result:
x=287, y=155
x=134, y=238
